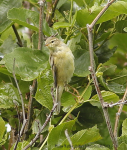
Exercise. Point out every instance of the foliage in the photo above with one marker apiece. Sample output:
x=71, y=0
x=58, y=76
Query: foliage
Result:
x=82, y=110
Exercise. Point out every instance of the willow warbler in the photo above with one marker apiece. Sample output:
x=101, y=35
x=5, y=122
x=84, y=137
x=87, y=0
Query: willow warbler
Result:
x=62, y=64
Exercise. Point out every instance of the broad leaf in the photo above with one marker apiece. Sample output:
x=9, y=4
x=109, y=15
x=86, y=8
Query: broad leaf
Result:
x=122, y=146
x=2, y=128
x=97, y=147
x=107, y=96
x=21, y=16
x=84, y=137
x=82, y=64
x=120, y=25
x=86, y=16
x=43, y=94
x=124, y=127
x=58, y=25
x=8, y=45
x=39, y=121
x=28, y=63
x=9, y=96
x=4, y=8
x=57, y=134
x=21, y=145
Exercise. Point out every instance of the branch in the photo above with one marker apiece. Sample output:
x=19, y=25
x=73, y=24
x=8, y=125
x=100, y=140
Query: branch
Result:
x=69, y=140
x=119, y=113
x=33, y=87
x=100, y=14
x=17, y=35
x=44, y=125
x=51, y=6
x=30, y=107
x=54, y=7
x=40, y=42
x=92, y=70
x=114, y=104
x=23, y=109
x=20, y=94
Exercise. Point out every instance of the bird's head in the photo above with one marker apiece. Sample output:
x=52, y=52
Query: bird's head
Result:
x=52, y=43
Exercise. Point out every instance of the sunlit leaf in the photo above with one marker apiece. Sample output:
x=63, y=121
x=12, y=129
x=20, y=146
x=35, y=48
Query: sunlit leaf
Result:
x=21, y=16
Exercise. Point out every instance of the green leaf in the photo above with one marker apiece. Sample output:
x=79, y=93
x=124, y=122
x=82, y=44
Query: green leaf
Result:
x=8, y=96
x=60, y=3
x=81, y=65
x=107, y=96
x=90, y=3
x=122, y=139
x=43, y=94
x=58, y=25
x=97, y=147
x=39, y=121
x=84, y=137
x=68, y=100
x=2, y=128
x=21, y=145
x=47, y=30
x=124, y=127
x=8, y=45
x=4, y=8
x=4, y=71
x=104, y=53
x=80, y=3
x=115, y=82
x=85, y=16
x=122, y=146
x=119, y=40
x=57, y=134
x=120, y=26
x=21, y=17
x=28, y=63
x=87, y=114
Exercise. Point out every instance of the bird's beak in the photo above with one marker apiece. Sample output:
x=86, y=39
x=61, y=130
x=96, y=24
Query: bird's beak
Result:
x=46, y=44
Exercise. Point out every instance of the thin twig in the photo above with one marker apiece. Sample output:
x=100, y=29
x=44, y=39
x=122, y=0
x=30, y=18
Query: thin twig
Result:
x=44, y=125
x=18, y=129
x=54, y=7
x=17, y=35
x=20, y=94
x=92, y=70
x=119, y=113
x=41, y=3
x=114, y=104
x=20, y=134
x=30, y=108
x=33, y=87
x=100, y=14
x=51, y=7
x=23, y=108
x=69, y=139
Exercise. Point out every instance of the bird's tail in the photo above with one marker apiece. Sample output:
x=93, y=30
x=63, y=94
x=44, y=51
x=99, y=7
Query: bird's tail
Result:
x=59, y=91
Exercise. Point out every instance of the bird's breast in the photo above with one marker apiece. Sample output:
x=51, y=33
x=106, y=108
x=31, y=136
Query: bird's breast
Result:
x=64, y=62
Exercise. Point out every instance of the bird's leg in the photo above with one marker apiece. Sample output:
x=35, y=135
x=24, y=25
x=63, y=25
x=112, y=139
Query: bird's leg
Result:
x=74, y=90
x=74, y=93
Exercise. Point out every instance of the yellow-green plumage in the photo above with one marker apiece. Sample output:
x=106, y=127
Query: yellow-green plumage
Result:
x=62, y=63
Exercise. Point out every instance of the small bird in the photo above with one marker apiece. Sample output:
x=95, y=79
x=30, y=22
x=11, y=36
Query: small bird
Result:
x=61, y=61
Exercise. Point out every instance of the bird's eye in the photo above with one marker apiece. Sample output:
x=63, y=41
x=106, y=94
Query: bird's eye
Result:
x=52, y=41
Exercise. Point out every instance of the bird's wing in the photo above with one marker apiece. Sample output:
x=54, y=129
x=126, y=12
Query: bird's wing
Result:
x=54, y=70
